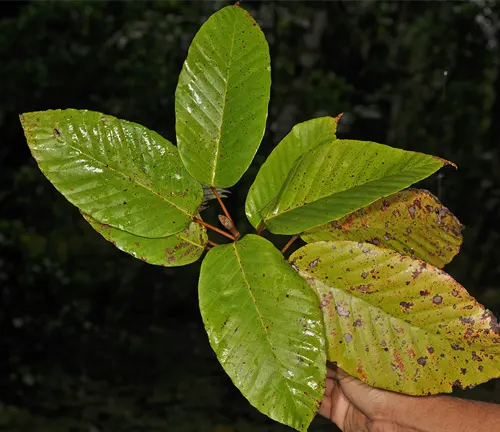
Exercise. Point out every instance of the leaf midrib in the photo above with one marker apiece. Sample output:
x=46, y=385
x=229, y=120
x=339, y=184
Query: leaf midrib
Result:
x=107, y=165
x=254, y=301
x=217, y=141
x=333, y=194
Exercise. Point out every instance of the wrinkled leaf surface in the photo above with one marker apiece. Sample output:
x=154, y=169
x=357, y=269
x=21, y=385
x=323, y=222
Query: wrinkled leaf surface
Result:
x=334, y=179
x=412, y=222
x=118, y=172
x=178, y=249
x=264, y=323
x=398, y=323
x=303, y=137
x=222, y=96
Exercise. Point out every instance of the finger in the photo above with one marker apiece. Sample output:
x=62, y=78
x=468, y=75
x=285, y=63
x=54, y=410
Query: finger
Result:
x=339, y=405
x=329, y=387
x=325, y=406
x=330, y=373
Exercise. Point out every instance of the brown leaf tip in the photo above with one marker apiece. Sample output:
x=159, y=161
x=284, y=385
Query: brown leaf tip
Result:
x=337, y=119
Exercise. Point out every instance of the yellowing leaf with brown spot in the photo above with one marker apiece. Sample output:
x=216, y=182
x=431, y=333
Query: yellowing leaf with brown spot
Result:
x=398, y=323
x=412, y=222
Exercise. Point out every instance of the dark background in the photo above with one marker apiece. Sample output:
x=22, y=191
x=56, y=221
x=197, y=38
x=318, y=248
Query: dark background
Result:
x=92, y=339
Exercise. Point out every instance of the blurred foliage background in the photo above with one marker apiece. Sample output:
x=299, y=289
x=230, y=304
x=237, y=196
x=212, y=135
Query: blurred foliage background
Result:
x=92, y=339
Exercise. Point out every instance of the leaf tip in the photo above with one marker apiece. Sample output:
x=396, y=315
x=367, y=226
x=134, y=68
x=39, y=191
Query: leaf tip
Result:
x=337, y=119
x=446, y=162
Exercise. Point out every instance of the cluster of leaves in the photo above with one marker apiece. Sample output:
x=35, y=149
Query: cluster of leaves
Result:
x=366, y=291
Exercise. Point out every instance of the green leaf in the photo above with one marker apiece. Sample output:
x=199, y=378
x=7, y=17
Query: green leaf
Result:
x=178, y=249
x=398, y=323
x=303, y=137
x=337, y=178
x=222, y=96
x=264, y=324
x=118, y=172
x=412, y=222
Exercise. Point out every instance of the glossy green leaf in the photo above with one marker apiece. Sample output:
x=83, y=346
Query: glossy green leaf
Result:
x=398, y=323
x=178, y=249
x=334, y=179
x=303, y=137
x=118, y=172
x=264, y=323
x=412, y=222
x=222, y=96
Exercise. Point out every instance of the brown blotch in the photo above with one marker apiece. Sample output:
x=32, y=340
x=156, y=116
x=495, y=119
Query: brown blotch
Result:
x=406, y=306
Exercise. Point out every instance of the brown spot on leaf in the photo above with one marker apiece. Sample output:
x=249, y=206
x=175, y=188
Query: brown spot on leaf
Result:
x=406, y=306
x=437, y=299
x=314, y=263
x=424, y=293
x=422, y=361
x=398, y=361
x=342, y=312
x=365, y=289
x=348, y=337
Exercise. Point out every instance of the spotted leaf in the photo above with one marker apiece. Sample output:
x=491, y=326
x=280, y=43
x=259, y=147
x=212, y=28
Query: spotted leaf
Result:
x=174, y=250
x=334, y=179
x=222, y=96
x=398, y=323
x=412, y=222
x=264, y=323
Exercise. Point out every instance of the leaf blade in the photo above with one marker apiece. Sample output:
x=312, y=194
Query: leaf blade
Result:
x=175, y=250
x=333, y=180
x=275, y=169
x=397, y=322
x=275, y=359
x=222, y=96
x=412, y=222
x=119, y=172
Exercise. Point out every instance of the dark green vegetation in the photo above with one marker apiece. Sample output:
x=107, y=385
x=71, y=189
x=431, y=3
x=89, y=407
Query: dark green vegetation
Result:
x=108, y=347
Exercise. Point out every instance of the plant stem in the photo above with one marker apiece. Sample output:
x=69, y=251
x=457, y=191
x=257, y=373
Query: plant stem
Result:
x=227, y=223
x=217, y=230
x=292, y=239
x=214, y=191
x=260, y=228
x=212, y=243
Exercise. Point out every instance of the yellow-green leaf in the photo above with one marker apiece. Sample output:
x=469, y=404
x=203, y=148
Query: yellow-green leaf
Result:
x=412, y=222
x=264, y=323
x=398, y=323
x=272, y=174
x=177, y=249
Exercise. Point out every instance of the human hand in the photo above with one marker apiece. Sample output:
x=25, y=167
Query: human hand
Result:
x=355, y=406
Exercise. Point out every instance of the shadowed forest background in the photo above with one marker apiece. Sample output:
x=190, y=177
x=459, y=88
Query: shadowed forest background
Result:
x=94, y=340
